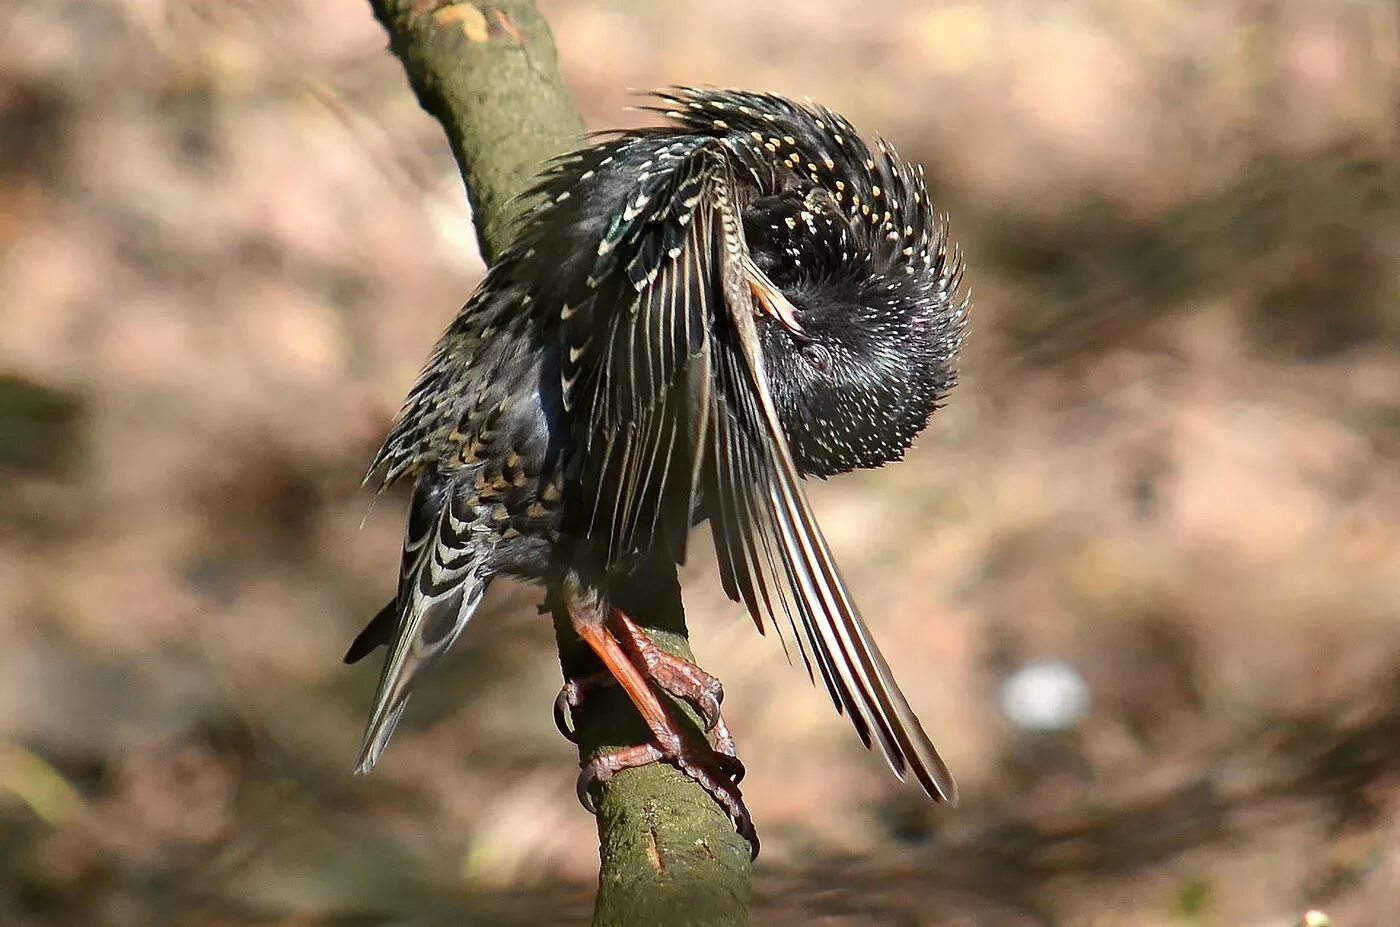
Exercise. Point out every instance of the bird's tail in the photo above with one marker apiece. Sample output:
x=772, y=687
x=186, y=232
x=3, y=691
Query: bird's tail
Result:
x=441, y=584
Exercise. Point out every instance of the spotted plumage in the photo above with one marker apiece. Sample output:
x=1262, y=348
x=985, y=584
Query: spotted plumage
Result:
x=690, y=320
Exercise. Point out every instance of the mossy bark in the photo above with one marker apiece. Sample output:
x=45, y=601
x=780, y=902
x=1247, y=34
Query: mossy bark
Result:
x=487, y=71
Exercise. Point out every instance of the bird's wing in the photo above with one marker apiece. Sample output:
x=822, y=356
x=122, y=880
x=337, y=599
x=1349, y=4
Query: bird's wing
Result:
x=665, y=378
x=633, y=363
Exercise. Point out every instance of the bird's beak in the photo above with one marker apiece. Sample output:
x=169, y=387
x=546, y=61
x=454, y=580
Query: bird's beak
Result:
x=769, y=300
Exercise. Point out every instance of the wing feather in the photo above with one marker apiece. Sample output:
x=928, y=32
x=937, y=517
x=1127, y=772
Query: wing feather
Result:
x=676, y=413
x=633, y=393
x=856, y=672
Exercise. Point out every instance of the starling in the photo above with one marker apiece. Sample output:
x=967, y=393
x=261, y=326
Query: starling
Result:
x=690, y=319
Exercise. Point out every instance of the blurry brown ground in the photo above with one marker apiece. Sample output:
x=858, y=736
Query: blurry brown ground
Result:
x=228, y=237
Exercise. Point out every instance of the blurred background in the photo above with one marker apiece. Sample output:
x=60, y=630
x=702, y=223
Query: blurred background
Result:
x=1141, y=576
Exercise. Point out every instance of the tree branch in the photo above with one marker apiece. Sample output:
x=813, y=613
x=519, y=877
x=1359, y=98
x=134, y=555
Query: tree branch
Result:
x=487, y=71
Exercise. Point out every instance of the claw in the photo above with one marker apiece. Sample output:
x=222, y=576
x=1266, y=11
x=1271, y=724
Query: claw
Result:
x=561, y=715
x=731, y=766
x=708, y=707
x=586, y=780
x=571, y=695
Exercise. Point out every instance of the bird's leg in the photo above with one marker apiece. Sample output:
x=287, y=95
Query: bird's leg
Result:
x=678, y=678
x=716, y=773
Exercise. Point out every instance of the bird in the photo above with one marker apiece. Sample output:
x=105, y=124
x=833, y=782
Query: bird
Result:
x=690, y=319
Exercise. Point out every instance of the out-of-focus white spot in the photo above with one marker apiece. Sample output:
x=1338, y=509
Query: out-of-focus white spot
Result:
x=1047, y=695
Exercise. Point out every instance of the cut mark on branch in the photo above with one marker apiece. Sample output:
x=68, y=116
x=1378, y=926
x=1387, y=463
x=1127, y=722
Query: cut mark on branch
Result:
x=654, y=852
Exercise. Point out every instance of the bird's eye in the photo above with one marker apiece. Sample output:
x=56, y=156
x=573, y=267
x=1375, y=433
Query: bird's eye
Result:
x=817, y=355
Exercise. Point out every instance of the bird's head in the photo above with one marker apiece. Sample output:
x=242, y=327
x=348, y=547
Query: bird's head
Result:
x=864, y=348
x=871, y=354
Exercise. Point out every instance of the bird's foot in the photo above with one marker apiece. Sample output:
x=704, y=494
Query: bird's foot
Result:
x=571, y=696
x=717, y=773
x=641, y=669
x=673, y=675
x=679, y=679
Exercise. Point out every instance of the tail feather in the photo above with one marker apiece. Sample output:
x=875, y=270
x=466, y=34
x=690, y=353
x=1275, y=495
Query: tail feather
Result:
x=378, y=633
x=440, y=588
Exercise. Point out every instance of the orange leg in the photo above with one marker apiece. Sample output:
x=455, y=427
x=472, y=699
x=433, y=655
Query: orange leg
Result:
x=678, y=678
x=717, y=773
x=628, y=676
